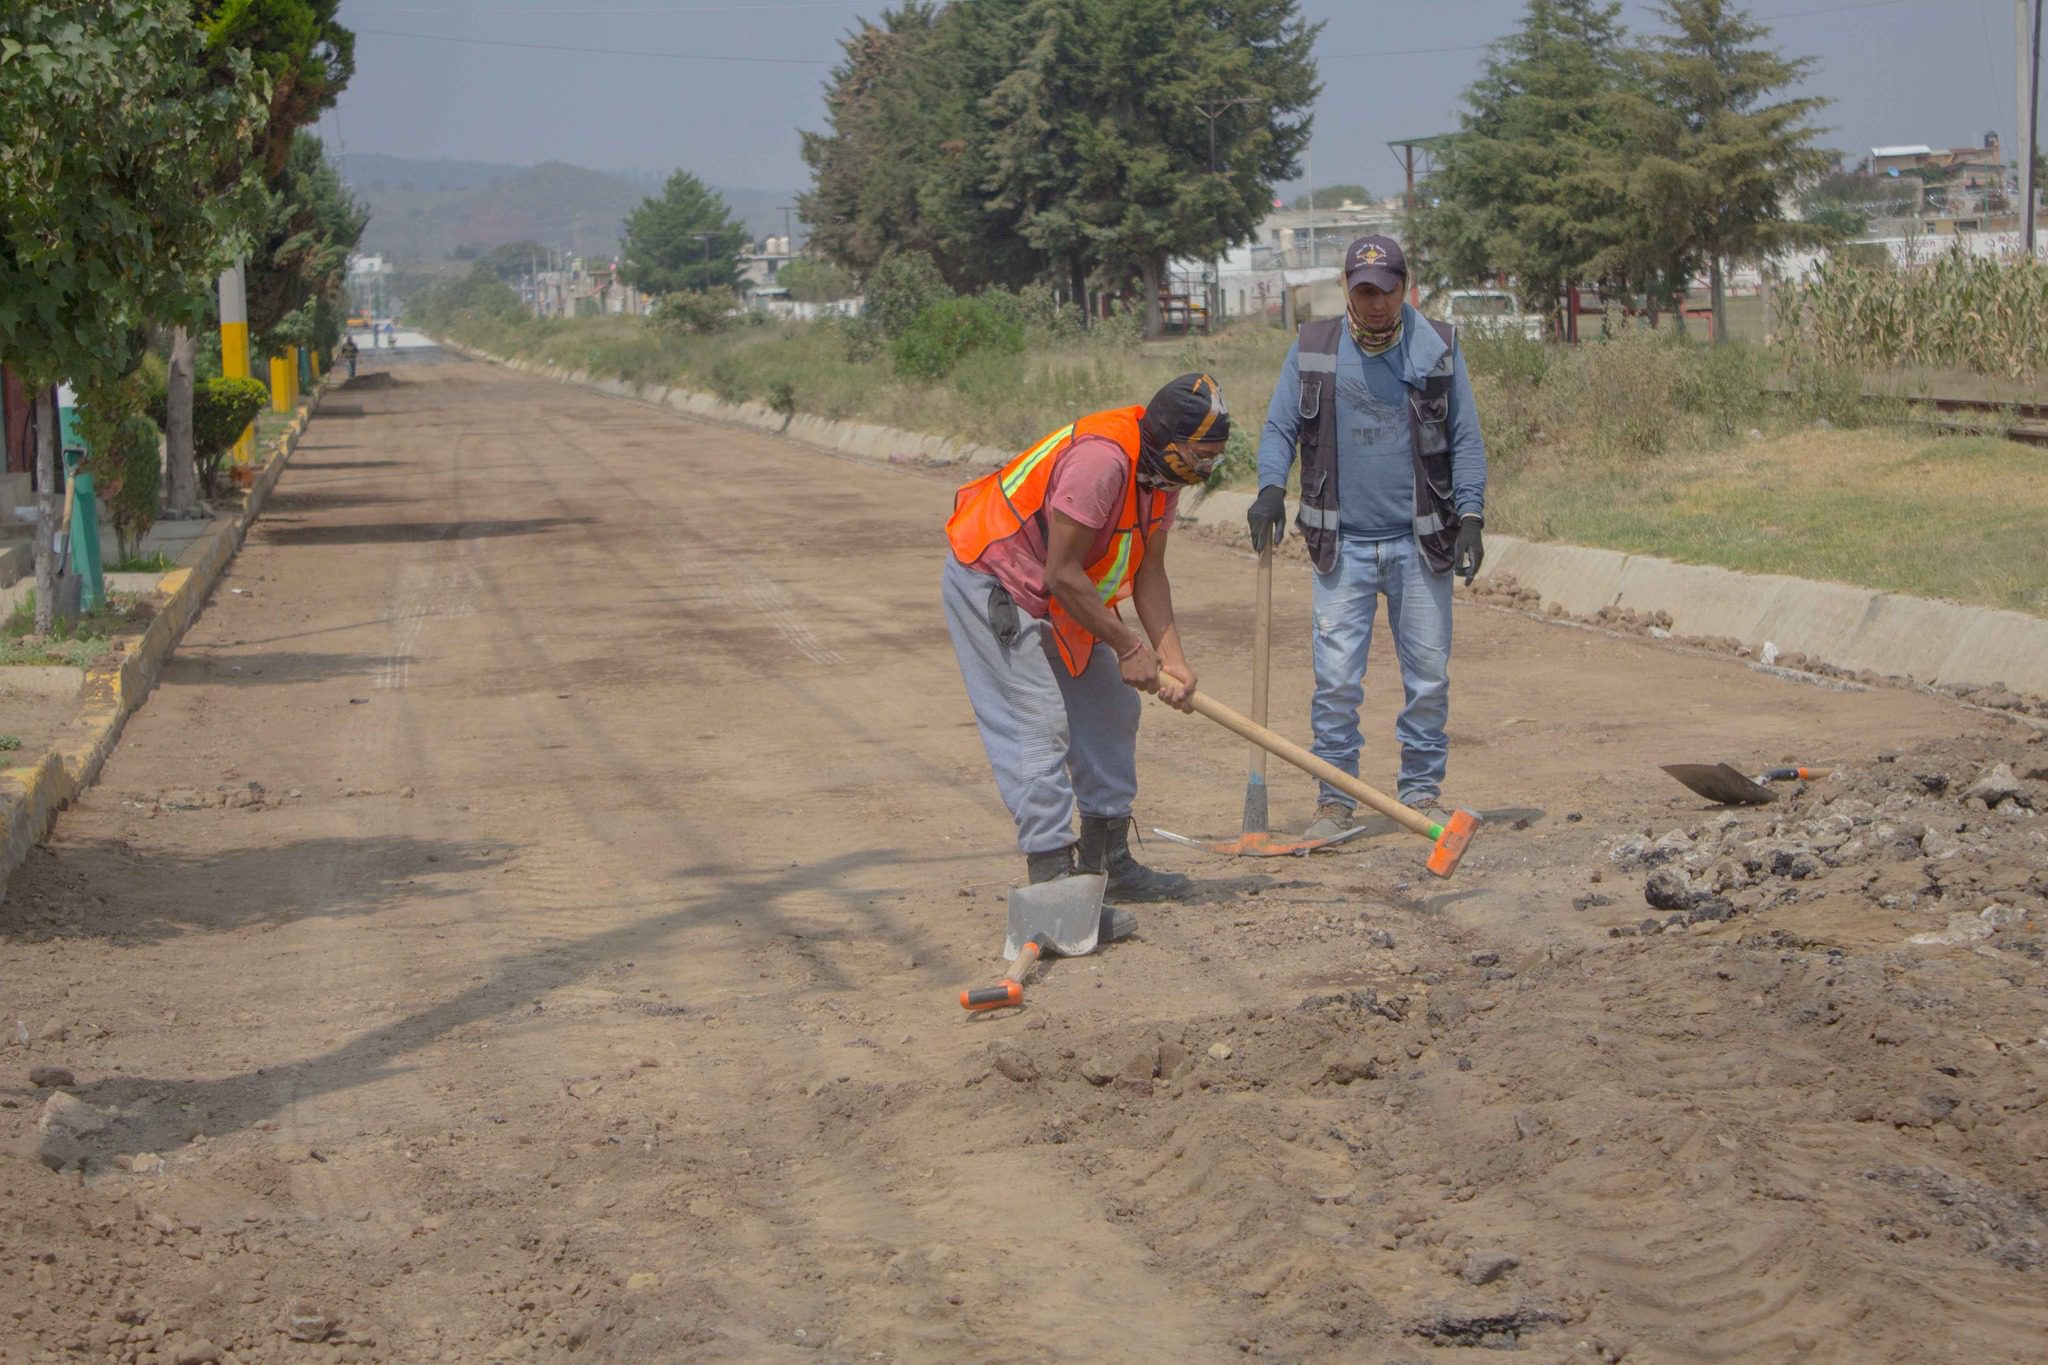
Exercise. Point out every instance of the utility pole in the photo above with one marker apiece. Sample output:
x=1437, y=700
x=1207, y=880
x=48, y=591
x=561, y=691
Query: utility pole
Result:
x=705, y=238
x=788, y=232
x=2031, y=128
x=1213, y=110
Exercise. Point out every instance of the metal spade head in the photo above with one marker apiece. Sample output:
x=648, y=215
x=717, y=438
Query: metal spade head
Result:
x=1068, y=912
x=1720, y=783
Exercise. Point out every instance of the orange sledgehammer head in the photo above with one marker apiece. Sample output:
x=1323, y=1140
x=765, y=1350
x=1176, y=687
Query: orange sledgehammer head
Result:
x=1451, y=838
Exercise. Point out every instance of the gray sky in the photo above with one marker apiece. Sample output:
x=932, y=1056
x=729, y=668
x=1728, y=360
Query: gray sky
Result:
x=1899, y=71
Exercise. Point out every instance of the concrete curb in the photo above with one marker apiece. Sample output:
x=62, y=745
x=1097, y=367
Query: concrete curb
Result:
x=1930, y=641
x=31, y=796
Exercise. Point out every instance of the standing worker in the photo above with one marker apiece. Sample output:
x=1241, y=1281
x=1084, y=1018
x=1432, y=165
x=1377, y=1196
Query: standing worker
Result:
x=1043, y=550
x=1393, y=478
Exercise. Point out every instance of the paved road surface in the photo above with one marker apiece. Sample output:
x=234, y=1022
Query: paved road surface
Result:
x=580, y=982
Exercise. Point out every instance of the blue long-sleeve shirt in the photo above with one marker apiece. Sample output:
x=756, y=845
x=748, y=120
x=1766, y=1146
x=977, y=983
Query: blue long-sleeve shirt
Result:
x=1375, y=468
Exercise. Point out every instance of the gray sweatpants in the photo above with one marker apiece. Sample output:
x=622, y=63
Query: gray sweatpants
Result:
x=1051, y=737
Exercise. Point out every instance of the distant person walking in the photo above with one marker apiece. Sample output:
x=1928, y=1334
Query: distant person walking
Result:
x=349, y=352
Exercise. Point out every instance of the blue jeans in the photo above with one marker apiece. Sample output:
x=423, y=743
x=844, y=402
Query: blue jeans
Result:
x=1419, y=617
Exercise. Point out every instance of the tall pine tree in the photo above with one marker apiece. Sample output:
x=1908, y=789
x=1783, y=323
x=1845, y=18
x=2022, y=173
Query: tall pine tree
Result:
x=1722, y=157
x=1535, y=183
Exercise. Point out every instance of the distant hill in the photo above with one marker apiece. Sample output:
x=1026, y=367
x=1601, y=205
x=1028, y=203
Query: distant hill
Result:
x=421, y=211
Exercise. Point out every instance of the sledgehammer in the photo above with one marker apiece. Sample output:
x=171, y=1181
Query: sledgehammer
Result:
x=1449, y=838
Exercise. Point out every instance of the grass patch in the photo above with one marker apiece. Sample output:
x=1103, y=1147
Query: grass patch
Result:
x=1645, y=442
x=151, y=563
x=1958, y=517
x=79, y=643
x=9, y=743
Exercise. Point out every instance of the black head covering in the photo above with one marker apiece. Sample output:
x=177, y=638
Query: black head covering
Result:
x=1189, y=408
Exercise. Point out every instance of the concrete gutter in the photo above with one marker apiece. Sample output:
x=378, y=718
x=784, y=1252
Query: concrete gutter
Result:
x=1944, y=644
x=31, y=795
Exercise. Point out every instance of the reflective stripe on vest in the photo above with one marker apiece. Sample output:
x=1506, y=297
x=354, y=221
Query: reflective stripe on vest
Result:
x=1021, y=470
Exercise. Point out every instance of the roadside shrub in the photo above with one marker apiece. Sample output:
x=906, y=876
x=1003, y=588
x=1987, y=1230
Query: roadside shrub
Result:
x=948, y=329
x=900, y=287
x=693, y=313
x=1511, y=358
x=125, y=458
x=731, y=377
x=1723, y=384
x=1628, y=380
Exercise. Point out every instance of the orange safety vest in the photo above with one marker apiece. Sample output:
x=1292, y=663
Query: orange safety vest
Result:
x=995, y=507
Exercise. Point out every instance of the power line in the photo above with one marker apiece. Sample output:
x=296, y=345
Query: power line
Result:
x=595, y=51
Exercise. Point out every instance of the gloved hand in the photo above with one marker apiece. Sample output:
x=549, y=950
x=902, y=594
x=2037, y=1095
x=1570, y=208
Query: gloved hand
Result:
x=1470, y=551
x=1267, y=516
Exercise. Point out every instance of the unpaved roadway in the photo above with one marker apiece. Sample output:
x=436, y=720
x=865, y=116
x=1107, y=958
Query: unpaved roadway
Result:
x=572, y=974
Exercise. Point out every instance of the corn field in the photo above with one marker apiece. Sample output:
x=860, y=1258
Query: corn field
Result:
x=1963, y=312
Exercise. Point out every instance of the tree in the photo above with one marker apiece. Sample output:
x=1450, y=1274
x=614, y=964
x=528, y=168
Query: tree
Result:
x=1101, y=134
x=684, y=241
x=299, y=264
x=115, y=138
x=1333, y=196
x=513, y=260
x=1535, y=182
x=305, y=58
x=1843, y=202
x=1067, y=140
x=906, y=162
x=810, y=280
x=1723, y=159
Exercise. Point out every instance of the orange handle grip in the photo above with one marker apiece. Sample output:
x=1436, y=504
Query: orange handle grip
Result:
x=1010, y=991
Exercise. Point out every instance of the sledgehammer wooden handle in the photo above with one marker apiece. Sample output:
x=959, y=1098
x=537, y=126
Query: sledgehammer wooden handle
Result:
x=1313, y=766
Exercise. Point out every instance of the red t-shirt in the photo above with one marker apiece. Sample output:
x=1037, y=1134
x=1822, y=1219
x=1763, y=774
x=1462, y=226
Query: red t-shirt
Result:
x=1088, y=485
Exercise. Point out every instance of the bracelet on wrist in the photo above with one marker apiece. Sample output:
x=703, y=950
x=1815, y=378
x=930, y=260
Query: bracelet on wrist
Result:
x=1136, y=645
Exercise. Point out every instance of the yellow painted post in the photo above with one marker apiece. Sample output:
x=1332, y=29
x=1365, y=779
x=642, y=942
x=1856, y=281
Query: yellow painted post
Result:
x=280, y=385
x=234, y=352
x=291, y=369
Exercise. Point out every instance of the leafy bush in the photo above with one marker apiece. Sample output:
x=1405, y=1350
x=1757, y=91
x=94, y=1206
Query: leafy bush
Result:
x=124, y=455
x=900, y=287
x=1628, y=379
x=694, y=314
x=811, y=280
x=949, y=329
x=1723, y=384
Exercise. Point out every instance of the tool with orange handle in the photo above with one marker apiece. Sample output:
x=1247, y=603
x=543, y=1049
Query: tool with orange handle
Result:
x=1009, y=991
x=1449, y=839
x=1723, y=785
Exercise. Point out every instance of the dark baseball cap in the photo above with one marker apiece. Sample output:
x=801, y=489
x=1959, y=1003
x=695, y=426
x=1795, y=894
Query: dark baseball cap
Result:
x=1376, y=261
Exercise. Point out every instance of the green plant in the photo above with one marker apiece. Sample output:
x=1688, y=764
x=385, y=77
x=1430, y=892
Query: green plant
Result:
x=782, y=397
x=686, y=313
x=950, y=328
x=1965, y=312
x=158, y=562
x=1723, y=384
x=731, y=377
x=9, y=743
x=900, y=287
x=222, y=409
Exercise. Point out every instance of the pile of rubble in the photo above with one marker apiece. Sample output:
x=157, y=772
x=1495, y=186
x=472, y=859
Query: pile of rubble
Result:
x=1950, y=834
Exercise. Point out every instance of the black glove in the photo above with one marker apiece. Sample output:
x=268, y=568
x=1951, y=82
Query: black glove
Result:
x=1470, y=552
x=1267, y=515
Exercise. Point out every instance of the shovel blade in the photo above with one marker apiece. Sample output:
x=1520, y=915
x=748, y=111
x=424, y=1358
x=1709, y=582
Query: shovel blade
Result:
x=1721, y=784
x=1068, y=912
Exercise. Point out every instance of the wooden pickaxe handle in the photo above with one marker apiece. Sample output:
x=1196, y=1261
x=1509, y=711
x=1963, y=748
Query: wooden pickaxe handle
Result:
x=1315, y=767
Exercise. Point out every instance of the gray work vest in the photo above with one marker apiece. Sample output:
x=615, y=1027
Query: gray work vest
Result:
x=1429, y=420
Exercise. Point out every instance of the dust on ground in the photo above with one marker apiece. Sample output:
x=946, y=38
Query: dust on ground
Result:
x=527, y=921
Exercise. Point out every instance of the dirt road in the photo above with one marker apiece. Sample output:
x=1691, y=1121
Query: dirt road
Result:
x=570, y=972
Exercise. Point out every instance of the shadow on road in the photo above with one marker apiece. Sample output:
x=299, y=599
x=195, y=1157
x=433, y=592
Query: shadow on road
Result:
x=269, y=668
x=412, y=532
x=135, y=897
x=159, y=1113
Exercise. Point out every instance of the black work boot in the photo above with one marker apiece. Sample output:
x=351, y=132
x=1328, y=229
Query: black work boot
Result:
x=1050, y=865
x=1105, y=847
